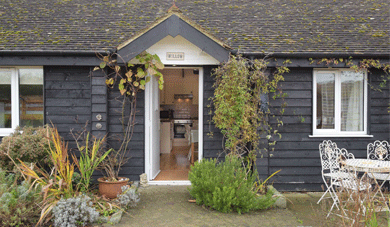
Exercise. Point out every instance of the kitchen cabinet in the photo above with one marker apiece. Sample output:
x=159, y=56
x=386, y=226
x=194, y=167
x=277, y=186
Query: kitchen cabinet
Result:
x=175, y=83
x=166, y=137
x=166, y=95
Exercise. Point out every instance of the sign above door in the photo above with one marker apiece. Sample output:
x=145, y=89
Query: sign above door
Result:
x=175, y=56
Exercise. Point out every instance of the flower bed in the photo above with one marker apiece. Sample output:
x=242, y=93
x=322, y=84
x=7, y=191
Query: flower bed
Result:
x=61, y=196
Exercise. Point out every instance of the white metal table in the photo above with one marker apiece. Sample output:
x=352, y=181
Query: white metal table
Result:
x=368, y=166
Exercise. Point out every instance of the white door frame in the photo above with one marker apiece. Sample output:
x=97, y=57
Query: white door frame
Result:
x=148, y=109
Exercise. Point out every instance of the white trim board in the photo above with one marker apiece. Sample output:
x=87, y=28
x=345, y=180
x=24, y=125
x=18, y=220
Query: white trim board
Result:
x=336, y=132
x=177, y=182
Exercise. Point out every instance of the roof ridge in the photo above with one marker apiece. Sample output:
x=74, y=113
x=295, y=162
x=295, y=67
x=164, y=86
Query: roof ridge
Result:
x=174, y=8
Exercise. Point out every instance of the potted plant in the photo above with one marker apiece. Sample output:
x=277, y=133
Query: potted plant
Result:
x=130, y=80
x=110, y=185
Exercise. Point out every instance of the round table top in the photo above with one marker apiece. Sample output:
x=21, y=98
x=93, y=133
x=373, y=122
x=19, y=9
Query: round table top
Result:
x=367, y=165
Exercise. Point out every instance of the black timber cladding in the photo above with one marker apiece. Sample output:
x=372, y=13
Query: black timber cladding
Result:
x=70, y=102
x=74, y=98
x=212, y=145
x=49, y=58
x=136, y=164
x=296, y=154
x=98, y=104
x=67, y=99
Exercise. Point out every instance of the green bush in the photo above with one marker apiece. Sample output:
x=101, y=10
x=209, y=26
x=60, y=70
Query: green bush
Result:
x=28, y=144
x=18, y=203
x=227, y=186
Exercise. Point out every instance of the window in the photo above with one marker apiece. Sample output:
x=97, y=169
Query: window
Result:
x=21, y=98
x=339, y=103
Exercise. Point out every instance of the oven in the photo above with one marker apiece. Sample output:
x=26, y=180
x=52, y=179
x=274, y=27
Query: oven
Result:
x=179, y=127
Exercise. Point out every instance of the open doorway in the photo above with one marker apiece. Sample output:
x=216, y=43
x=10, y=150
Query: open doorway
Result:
x=179, y=119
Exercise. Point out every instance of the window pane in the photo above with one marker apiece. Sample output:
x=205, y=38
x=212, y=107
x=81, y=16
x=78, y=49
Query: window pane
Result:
x=325, y=100
x=5, y=98
x=31, y=97
x=352, y=101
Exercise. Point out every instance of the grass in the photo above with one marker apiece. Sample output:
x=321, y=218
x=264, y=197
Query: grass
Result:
x=308, y=213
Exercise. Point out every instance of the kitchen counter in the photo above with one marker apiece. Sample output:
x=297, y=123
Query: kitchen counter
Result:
x=173, y=119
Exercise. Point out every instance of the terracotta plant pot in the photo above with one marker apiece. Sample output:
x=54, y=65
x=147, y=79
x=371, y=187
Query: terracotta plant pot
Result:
x=111, y=189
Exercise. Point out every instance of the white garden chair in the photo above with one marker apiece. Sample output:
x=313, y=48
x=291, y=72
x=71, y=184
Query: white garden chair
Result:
x=353, y=188
x=336, y=178
x=331, y=158
x=379, y=150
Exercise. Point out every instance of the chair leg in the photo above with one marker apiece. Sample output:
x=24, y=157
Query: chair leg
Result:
x=323, y=195
x=335, y=199
x=379, y=189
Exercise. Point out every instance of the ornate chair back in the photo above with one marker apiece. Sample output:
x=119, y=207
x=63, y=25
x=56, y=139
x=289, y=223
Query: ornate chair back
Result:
x=343, y=155
x=378, y=150
x=329, y=154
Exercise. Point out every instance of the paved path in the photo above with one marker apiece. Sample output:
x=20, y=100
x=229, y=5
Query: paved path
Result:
x=169, y=206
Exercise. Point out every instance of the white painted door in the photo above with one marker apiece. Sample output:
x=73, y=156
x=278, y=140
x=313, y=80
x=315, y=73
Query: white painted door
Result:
x=155, y=128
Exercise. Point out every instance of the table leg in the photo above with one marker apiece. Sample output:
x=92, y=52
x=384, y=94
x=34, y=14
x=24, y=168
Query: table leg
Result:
x=379, y=189
x=192, y=152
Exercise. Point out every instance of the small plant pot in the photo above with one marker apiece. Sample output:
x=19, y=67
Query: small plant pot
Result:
x=111, y=189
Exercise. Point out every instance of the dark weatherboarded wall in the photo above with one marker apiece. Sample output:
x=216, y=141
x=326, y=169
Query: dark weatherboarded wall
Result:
x=67, y=99
x=73, y=98
x=296, y=154
x=212, y=145
x=136, y=163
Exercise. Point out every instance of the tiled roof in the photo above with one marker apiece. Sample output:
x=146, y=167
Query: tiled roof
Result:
x=251, y=26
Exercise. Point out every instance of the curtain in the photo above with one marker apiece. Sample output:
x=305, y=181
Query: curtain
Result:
x=351, y=101
x=325, y=101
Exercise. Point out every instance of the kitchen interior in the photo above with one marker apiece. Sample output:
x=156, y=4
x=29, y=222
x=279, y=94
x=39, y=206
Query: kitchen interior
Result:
x=179, y=123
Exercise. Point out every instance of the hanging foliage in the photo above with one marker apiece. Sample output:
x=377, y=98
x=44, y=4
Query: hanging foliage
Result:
x=242, y=89
x=363, y=65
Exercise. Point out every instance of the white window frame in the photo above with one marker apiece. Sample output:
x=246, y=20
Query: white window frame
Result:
x=337, y=131
x=15, y=108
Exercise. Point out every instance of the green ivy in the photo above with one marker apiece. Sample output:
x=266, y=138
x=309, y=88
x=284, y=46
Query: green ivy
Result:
x=240, y=84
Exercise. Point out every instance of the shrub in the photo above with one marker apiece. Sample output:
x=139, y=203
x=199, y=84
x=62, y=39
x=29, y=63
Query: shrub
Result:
x=227, y=186
x=74, y=212
x=27, y=144
x=56, y=184
x=129, y=197
x=91, y=155
x=18, y=203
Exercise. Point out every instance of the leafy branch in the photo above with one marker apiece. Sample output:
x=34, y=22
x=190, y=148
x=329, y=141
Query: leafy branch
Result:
x=130, y=79
x=363, y=65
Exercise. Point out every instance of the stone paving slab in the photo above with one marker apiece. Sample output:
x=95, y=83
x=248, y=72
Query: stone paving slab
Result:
x=169, y=206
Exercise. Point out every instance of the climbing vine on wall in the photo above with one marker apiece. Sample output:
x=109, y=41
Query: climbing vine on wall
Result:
x=242, y=113
x=362, y=65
